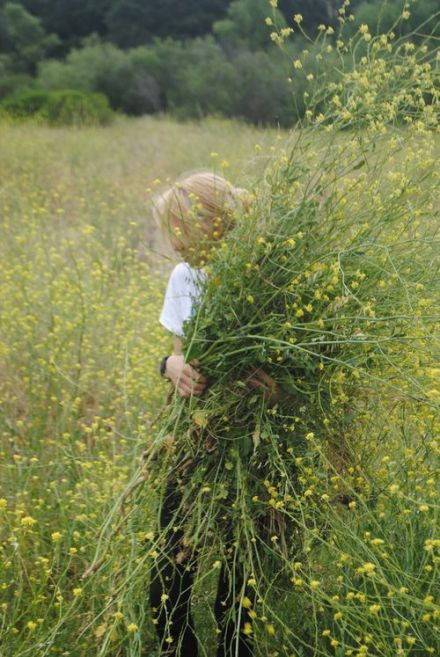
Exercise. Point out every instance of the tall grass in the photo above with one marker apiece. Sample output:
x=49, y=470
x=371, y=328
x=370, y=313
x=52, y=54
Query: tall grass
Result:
x=330, y=284
x=83, y=272
x=321, y=506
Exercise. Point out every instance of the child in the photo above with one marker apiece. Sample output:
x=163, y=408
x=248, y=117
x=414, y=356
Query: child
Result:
x=194, y=213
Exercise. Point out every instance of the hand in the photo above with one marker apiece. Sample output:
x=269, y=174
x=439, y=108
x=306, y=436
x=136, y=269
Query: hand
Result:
x=259, y=379
x=185, y=378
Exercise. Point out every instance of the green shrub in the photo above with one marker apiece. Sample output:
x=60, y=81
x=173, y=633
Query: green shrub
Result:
x=66, y=107
x=25, y=103
x=10, y=84
x=97, y=67
x=75, y=108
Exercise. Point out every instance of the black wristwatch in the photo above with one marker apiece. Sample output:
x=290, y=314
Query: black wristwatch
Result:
x=163, y=365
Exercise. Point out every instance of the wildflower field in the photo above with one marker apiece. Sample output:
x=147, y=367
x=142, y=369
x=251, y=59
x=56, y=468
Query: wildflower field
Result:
x=82, y=280
x=329, y=282
x=82, y=287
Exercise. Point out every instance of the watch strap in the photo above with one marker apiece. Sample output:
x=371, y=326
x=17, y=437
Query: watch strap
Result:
x=163, y=365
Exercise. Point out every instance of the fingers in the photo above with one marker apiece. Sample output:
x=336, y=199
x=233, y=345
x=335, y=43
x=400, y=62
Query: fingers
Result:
x=260, y=375
x=185, y=390
x=191, y=382
x=195, y=374
x=269, y=387
x=186, y=379
x=260, y=380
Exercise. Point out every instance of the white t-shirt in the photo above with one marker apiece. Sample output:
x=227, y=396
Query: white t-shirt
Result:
x=185, y=287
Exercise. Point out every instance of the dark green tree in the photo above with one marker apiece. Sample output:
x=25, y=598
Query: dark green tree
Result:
x=136, y=22
x=382, y=15
x=314, y=12
x=23, y=40
x=71, y=20
x=244, y=25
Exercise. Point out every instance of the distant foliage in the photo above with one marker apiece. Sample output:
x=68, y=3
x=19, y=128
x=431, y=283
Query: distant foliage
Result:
x=76, y=108
x=201, y=57
x=23, y=39
x=136, y=22
x=189, y=80
x=25, y=103
x=423, y=18
x=9, y=84
x=57, y=108
x=244, y=25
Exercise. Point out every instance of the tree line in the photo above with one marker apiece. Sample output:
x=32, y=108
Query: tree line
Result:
x=190, y=58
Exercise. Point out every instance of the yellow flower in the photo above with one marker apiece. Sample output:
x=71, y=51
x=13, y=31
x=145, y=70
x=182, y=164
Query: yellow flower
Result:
x=27, y=521
x=132, y=627
x=56, y=536
x=77, y=592
x=246, y=602
x=3, y=503
x=374, y=609
x=297, y=581
x=31, y=625
x=247, y=629
x=368, y=568
x=298, y=18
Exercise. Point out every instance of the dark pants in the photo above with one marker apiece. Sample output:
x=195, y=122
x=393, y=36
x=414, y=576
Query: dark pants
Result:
x=173, y=576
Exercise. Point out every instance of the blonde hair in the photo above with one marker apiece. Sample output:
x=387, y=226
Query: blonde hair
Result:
x=196, y=212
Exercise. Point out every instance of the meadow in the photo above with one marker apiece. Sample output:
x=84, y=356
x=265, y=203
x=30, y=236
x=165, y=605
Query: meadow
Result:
x=83, y=272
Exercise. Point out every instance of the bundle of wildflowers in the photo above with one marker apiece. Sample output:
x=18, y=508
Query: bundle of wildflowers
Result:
x=321, y=491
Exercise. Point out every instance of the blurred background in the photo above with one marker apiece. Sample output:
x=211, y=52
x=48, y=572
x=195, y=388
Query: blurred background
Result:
x=189, y=59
